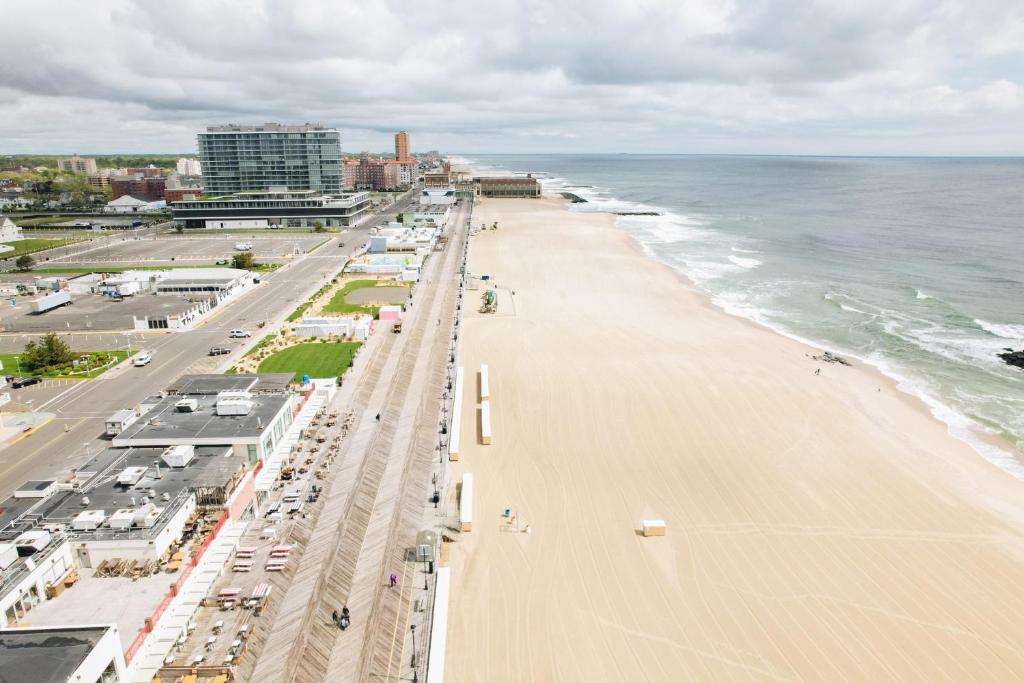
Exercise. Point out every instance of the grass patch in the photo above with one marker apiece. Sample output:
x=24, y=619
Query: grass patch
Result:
x=298, y=312
x=338, y=303
x=316, y=359
x=99, y=362
x=32, y=245
x=261, y=343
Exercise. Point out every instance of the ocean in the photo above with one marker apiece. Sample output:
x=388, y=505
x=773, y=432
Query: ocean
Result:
x=914, y=265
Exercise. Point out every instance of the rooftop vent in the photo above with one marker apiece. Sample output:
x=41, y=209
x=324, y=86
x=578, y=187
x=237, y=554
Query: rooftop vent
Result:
x=186, y=405
x=234, y=403
x=179, y=456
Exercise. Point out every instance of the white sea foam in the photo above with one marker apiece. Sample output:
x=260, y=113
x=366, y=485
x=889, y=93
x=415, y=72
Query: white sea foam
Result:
x=748, y=263
x=1004, y=330
x=700, y=258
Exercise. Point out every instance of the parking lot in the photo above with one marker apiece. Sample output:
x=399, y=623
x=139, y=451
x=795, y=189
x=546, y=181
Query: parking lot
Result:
x=192, y=250
x=90, y=312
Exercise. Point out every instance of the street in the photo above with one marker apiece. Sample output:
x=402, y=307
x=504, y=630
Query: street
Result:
x=76, y=431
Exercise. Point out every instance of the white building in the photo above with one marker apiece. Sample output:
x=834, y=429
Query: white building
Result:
x=438, y=197
x=26, y=578
x=8, y=230
x=75, y=654
x=189, y=167
x=129, y=204
x=358, y=327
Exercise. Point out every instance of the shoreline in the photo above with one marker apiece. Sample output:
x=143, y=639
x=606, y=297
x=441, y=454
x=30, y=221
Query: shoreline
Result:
x=817, y=526
x=915, y=398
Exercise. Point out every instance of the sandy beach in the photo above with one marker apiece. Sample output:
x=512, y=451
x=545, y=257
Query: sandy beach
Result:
x=820, y=527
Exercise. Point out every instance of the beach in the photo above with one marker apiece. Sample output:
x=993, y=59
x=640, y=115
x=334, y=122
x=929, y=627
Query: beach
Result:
x=820, y=526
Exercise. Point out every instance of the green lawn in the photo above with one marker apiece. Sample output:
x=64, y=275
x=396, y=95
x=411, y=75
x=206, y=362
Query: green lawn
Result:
x=33, y=244
x=11, y=366
x=338, y=303
x=316, y=359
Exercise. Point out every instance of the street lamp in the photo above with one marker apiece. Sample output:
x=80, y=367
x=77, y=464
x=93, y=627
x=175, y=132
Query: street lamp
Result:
x=17, y=364
x=412, y=627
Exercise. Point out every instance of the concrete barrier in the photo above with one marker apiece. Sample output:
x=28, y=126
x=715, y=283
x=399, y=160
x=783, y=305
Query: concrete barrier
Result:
x=485, y=384
x=439, y=628
x=456, y=427
x=466, y=503
x=485, y=423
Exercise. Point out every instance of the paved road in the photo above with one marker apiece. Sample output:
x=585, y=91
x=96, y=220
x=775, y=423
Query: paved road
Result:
x=76, y=431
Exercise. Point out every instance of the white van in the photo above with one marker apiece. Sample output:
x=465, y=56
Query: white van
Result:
x=239, y=334
x=144, y=358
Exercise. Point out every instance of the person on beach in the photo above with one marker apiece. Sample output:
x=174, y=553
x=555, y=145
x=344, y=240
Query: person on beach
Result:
x=394, y=580
x=817, y=371
x=334, y=616
x=378, y=417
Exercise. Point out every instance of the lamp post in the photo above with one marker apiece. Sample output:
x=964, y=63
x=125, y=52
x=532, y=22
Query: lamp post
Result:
x=17, y=364
x=412, y=627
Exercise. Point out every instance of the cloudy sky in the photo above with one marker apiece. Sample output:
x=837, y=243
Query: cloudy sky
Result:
x=784, y=76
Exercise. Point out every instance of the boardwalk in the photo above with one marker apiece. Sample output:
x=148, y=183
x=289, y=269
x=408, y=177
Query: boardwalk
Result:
x=372, y=509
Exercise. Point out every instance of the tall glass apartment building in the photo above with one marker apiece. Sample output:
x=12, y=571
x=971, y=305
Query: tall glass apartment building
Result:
x=254, y=158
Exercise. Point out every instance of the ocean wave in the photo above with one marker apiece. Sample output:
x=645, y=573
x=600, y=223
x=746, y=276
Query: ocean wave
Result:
x=1003, y=330
x=748, y=263
x=708, y=258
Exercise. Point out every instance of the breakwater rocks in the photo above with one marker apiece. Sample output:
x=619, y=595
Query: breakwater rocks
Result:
x=573, y=197
x=1014, y=358
x=637, y=213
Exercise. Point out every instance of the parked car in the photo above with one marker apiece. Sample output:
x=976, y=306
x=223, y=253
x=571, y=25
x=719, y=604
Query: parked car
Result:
x=20, y=382
x=239, y=334
x=222, y=262
x=219, y=351
x=144, y=358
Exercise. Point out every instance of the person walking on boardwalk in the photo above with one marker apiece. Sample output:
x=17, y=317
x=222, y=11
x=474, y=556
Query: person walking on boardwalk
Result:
x=334, y=616
x=394, y=580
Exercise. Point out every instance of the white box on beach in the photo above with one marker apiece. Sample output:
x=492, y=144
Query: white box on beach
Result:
x=466, y=503
x=653, y=527
x=485, y=384
x=456, y=429
x=485, y=423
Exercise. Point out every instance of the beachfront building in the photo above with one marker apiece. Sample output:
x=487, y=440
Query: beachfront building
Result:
x=378, y=174
x=77, y=164
x=254, y=158
x=516, y=187
x=438, y=197
x=63, y=654
x=402, y=146
x=274, y=208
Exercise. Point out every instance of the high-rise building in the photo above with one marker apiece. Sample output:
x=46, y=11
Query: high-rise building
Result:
x=77, y=164
x=254, y=158
x=187, y=166
x=402, y=146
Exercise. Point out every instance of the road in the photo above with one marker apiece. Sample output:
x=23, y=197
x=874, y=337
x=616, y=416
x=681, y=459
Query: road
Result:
x=76, y=432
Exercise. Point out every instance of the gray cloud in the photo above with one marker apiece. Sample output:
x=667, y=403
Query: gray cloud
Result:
x=787, y=76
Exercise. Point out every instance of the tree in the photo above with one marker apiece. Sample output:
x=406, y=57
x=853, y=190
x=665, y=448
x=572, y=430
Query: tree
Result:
x=318, y=226
x=24, y=262
x=49, y=351
x=179, y=228
x=243, y=261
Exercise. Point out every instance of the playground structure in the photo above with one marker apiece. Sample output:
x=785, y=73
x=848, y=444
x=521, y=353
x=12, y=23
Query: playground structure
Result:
x=489, y=302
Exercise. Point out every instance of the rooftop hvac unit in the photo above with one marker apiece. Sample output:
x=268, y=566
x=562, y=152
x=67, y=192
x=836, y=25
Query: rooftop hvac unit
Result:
x=31, y=542
x=121, y=519
x=234, y=403
x=85, y=501
x=88, y=520
x=8, y=555
x=179, y=456
x=147, y=517
x=186, y=405
x=131, y=476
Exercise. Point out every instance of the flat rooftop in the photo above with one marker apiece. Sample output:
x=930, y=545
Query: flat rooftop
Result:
x=45, y=655
x=212, y=466
x=264, y=382
x=164, y=424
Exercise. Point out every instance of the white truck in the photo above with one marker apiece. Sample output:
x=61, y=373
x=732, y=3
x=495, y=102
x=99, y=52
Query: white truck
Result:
x=49, y=302
x=243, y=246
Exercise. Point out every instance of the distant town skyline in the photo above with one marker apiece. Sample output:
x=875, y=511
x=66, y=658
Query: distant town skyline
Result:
x=913, y=78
